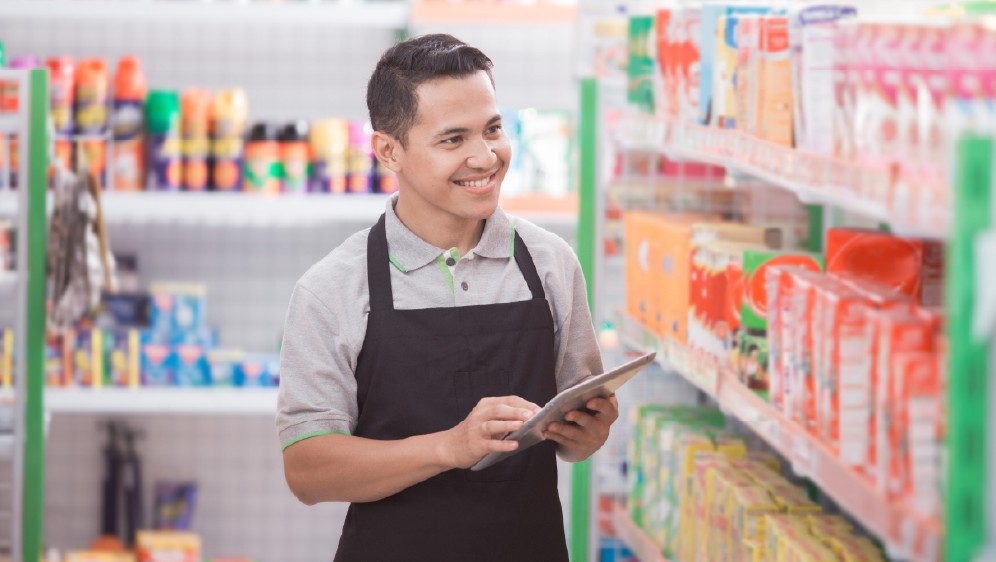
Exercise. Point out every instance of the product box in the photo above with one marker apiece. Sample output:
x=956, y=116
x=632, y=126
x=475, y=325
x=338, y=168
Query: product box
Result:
x=716, y=292
x=922, y=447
x=158, y=364
x=639, y=238
x=750, y=507
x=711, y=14
x=775, y=121
x=842, y=389
x=845, y=76
x=168, y=546
x=801, y=351
x=225, y=367
x=665, y=82
x=684, y=38
x=877, y=101
x=779, y=280
x=912, y=267
x=724, y=80
x=261, y=370
x=122, y=361
x=893, y=333
x=754, y=310
x=814, y=58
x=749, y=64
x=178, y=309
x=191, y=367
x=641, y=68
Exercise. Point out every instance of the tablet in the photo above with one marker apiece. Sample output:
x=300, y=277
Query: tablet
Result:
x=573, y=398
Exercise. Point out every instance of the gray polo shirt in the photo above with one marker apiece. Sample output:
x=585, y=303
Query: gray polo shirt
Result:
x=327, y=317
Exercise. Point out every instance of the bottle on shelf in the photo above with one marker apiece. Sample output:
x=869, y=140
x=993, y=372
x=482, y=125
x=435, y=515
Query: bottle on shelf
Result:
x=195, y=123
x=91, y=118
x=127, y=120
x=62, y=81
x=294, y=156
x=261, y=156
x=229, y=111
x=329, y=141
x=164, y=140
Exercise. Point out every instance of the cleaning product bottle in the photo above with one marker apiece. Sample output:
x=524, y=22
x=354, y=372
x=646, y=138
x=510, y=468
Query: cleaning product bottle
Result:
x=163, y=114
x=294, y=156
x=195, y=122
x=228, y=120
x=128, y=150
x=62, y=81
x=360, y=159
x=11, y=100
x=91, y=117
x=329, y=141
x=262, y=155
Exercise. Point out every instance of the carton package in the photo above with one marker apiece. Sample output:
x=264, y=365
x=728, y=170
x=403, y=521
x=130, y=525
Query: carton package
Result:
x=911, y=266
x=776, y=81
x=711, y=14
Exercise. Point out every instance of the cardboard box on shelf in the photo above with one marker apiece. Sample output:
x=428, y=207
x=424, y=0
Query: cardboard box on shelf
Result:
x=911, y=266
x=776, y=76
x=754, y=310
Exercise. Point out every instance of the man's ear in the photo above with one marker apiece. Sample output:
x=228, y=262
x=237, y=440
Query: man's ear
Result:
x=388, y=150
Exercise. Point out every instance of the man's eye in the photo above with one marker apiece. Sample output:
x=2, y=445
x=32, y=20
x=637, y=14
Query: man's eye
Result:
x=451, y=140
x=494, y=129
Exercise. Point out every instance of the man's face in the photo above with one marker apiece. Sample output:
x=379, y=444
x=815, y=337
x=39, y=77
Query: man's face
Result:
x=457, y=152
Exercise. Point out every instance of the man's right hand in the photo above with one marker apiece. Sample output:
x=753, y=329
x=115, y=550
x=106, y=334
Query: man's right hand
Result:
x=481, y=433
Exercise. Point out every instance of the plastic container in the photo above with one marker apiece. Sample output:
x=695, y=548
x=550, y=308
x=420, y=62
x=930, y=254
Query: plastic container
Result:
x=91, y=117
x=228, y=120
x=128, y=124
x=195, y=124
x=163, y=115
x=261, y=159
x=329, y=141
x=294, y=157
x=361, y=159
x=62, y=84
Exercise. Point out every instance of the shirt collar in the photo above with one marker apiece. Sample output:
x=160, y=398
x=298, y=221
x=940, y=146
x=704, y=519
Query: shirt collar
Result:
x=409, y=252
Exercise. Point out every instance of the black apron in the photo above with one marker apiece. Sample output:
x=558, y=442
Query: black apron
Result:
x=423, y=371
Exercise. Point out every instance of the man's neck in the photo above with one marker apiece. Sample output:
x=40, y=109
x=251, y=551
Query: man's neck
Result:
x=442, y=230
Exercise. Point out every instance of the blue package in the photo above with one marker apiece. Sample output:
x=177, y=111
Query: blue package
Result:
x=174, y=506
x=261, y=370
x=177, y=308
x=157, y=365
x=191, y=366
x=225, y=367
x=707, y=49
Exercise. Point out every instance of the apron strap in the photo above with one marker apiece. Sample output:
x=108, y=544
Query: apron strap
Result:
x=379, y=268
x=527, y=267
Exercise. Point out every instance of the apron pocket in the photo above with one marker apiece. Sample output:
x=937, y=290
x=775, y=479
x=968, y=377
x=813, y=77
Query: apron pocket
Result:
x=469, y=388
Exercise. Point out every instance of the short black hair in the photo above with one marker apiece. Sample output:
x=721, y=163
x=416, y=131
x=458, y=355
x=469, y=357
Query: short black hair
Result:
x=391, y=92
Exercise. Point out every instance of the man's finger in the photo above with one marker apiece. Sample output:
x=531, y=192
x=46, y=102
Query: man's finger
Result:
x=580, y=418
x=571, y=432
x=500, y=427
x=508, y=412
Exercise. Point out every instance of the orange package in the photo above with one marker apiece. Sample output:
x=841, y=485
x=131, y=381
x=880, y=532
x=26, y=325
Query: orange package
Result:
x=639, y=240
x=912, y=267
x=924, y=417
x=778, y=286
x=801, y=303
x=894, y=332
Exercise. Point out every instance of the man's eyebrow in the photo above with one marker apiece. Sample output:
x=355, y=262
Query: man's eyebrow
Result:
x=463, y=130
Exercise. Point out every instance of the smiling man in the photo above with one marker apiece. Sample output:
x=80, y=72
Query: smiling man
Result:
x=412, y=348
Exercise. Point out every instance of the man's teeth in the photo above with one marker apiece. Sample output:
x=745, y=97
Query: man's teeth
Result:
x=478, y=183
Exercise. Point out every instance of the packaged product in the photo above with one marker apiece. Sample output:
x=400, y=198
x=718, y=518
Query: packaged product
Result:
x=329, y=140
x=191, y=366
x=177, y=309
x=845, y=76
x=710, y=17
x=7, y=358
x=165, y=158
x=195, y=128
x=775, y=121
x=361, y=159
x=294, y=157
x=91, y=102
x=229, y=112
x=98, y=556
x=750, y=506
x=262, y=156
x=724, y=78
x=128, y=123
x=641, y=68
x=749, y=64
x=923, y=449
x=911, y=266
x=892, y=333
x=814, y=60
x=158, y=365
x=754, y=310
x=168, y=546
x=684, y=58
x=62, y=83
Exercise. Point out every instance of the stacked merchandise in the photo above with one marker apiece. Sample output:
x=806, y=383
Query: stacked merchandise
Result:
x=855, y=357
x=151, y=546
x=154, y=339
x=702, y=495
x=817, y=96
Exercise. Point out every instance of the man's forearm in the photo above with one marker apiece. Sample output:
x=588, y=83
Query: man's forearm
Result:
x=354, y=469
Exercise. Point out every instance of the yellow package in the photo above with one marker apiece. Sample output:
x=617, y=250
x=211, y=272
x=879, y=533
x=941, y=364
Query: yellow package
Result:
x=767, y=459
x=794, y=501
x=94, y=556
x=753, y=504
x=752, y=551
x=856, y=549
x=168, y=546
x=688, y=446
x=720, y=484
x=779, y=529
x=732, y=448
x=699, y=528
x=827, y=520
x=807, y=548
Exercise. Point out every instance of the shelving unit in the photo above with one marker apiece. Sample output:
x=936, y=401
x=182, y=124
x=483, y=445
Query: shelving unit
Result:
x=634, y=537
x=815, y=179
x=442, y=12
x=906, y=533
x=379, y=15
x=155, y=401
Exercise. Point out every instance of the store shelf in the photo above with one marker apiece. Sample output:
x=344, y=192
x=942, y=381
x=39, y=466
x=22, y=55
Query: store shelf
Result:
x=906, y=534
x=641, y=545
x=9, y=123
x=381, y=15
x=208, y=401
x=816, y=179
x=443, y=12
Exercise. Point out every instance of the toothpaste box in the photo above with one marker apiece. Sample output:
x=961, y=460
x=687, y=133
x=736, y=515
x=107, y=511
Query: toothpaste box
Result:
x=814, y=59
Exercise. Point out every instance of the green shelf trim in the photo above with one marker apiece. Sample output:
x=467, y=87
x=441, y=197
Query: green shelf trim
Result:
x=34, y=438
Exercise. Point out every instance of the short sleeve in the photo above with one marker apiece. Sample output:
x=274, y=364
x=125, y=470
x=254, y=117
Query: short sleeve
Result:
x=317, y=393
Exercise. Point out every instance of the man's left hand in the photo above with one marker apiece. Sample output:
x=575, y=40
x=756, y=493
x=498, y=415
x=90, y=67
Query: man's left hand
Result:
x=582, y=433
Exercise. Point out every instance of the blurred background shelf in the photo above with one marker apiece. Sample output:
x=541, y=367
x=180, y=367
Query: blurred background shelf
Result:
x=442, y=12
x=634, y=537
x=206, y=401
x=908, y=534
x=379, y=15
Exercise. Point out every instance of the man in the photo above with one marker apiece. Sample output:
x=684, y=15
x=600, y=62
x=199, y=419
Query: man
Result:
x=412, y=348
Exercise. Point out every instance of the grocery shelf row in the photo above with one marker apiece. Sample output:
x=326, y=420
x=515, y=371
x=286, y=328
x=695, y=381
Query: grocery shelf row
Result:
x=155, y=401
x=815, y=179
x=634, y=537
x=343, y=14
x=906, y=534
